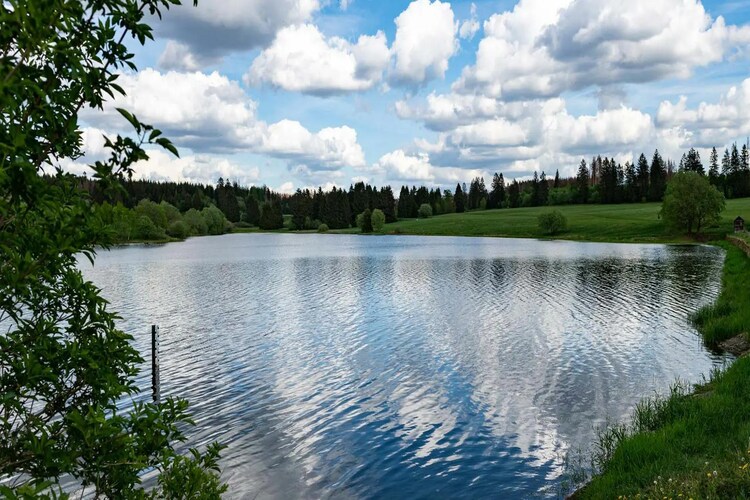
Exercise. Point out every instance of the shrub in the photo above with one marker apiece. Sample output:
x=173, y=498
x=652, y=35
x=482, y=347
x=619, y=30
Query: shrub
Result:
x=145, y=229
x=425, y=211
x=378, y=220
x=552, y=222
x=364, y=221
x=196, y=222
x=178, y=229
x=323, y=228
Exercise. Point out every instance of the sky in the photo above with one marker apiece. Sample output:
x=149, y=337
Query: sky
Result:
x=304, y=93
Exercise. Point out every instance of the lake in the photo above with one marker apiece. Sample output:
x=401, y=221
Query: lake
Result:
x=343, y=366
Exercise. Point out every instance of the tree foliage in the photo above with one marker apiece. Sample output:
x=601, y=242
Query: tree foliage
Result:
x=64, y=364
x=691, y=203
x=378, y=220
x=553, y=222
x=425, y=211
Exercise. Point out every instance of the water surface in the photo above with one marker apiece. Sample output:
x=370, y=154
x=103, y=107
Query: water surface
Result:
x=405, y=367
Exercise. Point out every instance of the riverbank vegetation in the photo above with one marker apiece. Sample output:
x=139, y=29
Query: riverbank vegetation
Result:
x=692, y=443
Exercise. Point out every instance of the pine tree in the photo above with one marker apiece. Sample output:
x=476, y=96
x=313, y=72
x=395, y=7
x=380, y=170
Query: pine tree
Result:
x=582, y=183
x=692, y=162
x=557, y=179
x=252, y=211
x=643, y=177
x=459, y=200
x=657, y=178
x=388, y=204
x=713, y=169
x=726, y=163
x=535, y=190
x=514, y=194
x=403, y=203
x=497, y=195
x=543, y=189
x=631, y=183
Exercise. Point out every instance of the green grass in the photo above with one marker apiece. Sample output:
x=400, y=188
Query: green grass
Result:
x=611, y=223
x=675, y=444
x=730, y=314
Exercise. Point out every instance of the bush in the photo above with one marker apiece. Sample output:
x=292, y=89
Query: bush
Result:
x=364, y=221
x=378, y=220
x=178, y=229
x=323, y=228
x=552, y=222
x=196, y=222
x=425, y=211
x=145, y=229
x=215, y=220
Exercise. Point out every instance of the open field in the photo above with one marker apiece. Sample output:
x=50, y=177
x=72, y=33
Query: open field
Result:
x=612, y=223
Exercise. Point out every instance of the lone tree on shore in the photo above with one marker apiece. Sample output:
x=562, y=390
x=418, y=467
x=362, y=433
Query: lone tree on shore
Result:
x=691, y=203
x=64, y=364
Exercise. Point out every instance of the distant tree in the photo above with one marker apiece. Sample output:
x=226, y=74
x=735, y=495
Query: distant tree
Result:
x=215, y=220
x=582, y=182
x=497, y=194
x=692, y=162
x=364, y=221
x=459, y=199
x=552, y=222
x=514, y=194
x=631, y=183
x=556, y=184
x=403, y=203
x=535, y=190
x=643, y=177
x=657, y=178
x=388, y=204
x=196, y=201
x=691, y=203
x=252, y=211
x=270, y=216
x=301, y=207
x=378, y=220
x=425, y=211
x=543, y=193
x=714, y=175
x=195, y=222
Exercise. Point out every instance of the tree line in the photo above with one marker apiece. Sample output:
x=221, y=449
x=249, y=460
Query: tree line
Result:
x=180, y=209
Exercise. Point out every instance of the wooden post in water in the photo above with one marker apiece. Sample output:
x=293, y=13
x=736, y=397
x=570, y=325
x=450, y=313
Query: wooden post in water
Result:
x=155, y=382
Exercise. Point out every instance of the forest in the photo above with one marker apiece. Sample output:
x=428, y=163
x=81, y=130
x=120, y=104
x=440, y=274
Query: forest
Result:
x=147, y=210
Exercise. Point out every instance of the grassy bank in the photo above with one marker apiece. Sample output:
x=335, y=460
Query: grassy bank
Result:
x=612, y=223
x=691, y=444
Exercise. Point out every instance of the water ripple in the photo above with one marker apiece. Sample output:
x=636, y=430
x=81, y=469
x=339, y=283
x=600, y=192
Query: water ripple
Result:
x=350, y=367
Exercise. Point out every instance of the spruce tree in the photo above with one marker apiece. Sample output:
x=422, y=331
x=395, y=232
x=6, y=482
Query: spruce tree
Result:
x=557, y=179
x=497, y=195
x=657, y=178
x=582, y=183
x=543, y=189
x=403, y=203
x=713, y=169
x=459, y=199
x=514, y=194
x=643, y=178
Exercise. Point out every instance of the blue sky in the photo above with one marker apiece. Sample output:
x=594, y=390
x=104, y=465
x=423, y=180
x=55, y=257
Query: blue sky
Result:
x=300, y=93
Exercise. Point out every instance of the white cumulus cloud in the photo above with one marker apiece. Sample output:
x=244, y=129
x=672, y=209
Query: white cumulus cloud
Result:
x=425, y=41
x=301, y=59
x=208, y=113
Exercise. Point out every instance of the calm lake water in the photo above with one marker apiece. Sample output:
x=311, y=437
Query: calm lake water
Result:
x=407, y=367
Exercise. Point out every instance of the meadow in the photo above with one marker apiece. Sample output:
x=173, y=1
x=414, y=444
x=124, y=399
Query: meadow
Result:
x=628, y=223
